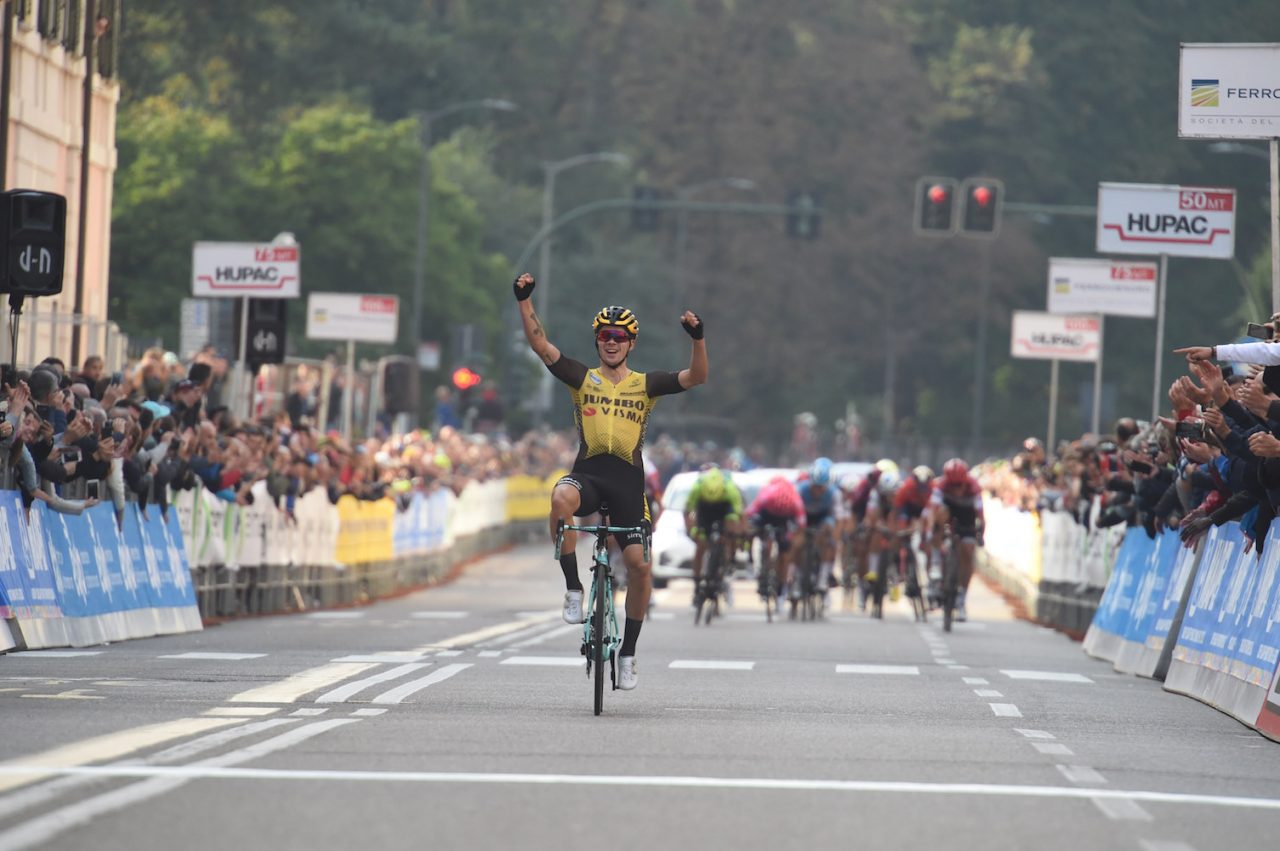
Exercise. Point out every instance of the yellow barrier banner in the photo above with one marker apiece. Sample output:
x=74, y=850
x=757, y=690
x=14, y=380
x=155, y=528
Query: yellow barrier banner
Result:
x=364, y=530
x=529, y=497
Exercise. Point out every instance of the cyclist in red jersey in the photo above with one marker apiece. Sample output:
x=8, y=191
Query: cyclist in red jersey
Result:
x=957, y=500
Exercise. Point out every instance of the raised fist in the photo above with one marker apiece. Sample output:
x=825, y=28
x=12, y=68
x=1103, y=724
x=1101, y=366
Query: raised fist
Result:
x=523, y=286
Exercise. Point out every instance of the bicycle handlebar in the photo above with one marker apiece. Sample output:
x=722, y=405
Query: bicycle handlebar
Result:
x=599, y=532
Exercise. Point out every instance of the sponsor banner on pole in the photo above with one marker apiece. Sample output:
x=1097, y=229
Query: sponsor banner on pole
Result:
x=1053, y=336
x=1113, y=287
x=1229, y=91
x=1181, y=221
x=362, y=318
x=245, y=269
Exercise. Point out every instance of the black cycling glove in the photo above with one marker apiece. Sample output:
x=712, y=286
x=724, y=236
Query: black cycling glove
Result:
x=522, y=294
x=694, y=331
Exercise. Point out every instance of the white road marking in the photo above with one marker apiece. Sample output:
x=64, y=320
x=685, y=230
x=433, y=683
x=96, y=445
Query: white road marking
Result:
x=208, y=770
x=1121, y=809
x=1164, y=845
x=40, y=830
x=987, y=692
x=393, y=657
x=70, y=694
x=449, y=653
x=241, y=711
x=54, y=654
x=341, y=693
x=438, y=616
x=535, y=629
x=1053, y=748
x=489, y=654
x=544, y=661
x=413, y=686
x=1005, y=710
x=944, y=661
x=562, y=629
x=958, y=667
x=48, y=763
x=1034, y=734
x=293, y=687
x=897, y=670
x=369, y=713
x=1081, y=774
x=336, y=616
x=975, y=681
x=1047, y=676
x=228, y=657
x=541, y=613
x=712, y=665
x=479, y=635
x=309, y=712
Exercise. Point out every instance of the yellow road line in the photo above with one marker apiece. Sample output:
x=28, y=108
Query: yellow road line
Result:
x=293, y=687
x=110, y=746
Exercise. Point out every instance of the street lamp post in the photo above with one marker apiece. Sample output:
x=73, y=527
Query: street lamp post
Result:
x=425, y=120
x=550, y=171
x=685, y=193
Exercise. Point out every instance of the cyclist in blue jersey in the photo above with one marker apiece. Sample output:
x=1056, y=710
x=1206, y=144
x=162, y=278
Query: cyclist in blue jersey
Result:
x=819, y=498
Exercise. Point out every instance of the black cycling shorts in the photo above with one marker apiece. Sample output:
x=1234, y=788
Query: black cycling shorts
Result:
x=609, y=483
x=709, y=514
x=779, y=526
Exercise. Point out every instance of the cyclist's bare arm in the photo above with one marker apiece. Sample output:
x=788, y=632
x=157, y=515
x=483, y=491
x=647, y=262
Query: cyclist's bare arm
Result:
x=534, y=332
x=697, y=372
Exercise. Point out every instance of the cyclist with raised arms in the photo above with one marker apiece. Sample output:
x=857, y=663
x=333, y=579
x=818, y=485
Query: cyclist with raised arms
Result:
x=611, y=407
x=714, y=498
x=819, y=500
x=957, y=500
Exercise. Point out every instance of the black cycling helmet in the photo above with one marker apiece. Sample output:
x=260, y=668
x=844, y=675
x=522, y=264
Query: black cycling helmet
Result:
x=618, y=317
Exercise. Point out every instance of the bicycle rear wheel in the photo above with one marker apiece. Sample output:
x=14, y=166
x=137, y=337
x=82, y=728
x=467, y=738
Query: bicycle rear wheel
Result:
x=598, y=638
x=950, y=583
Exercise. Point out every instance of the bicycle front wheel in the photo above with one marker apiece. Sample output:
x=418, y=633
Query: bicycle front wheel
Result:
x=950, y=583
x=598, y=640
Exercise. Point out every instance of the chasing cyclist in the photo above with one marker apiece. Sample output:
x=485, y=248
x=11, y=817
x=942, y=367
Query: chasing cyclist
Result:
x=957, y=500
x=714, y=498
x=819, y=500
x=772, y=514
x=611, y=406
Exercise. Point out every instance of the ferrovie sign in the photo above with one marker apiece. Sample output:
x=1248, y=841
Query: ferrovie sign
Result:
x=1181, y=221
x=1056, y=336
x=1229, y=91
x=245, y=269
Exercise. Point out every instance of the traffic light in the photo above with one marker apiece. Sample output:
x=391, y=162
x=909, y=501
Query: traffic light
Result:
x=804, y=216
x=935, y=206
x=464, y=378
x=983, y=197
x=645, y=218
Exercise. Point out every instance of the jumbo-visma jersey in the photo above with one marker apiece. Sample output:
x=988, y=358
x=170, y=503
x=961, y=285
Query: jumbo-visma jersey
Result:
x=612, y=418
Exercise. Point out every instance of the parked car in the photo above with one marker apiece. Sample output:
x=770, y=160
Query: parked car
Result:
x=672, y=549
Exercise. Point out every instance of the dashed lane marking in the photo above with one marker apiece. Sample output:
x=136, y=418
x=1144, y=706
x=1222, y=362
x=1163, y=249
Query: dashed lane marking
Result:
x=1005, y=710
x=341, y=693
x=69, y=694
x=393, y=658
x=544, y=661
x=947, y=662
x=221, y=657
x=562, y=629
x=309, y=712
x=396, y=695
x=489, y=654
x=893, y=670
x=975, y=681
x=712, y=665
x=1081, y=774
x=449, y=653
x=1121, y=809
x=1053, y=748
x=368, y=712
x=1164, y=845
x=293, y=687
x=241, y=711
x=1034, y=734
x=439, y=616
x=987, y=692
x=958, y=667
x=1047, y=676
x=488, y=632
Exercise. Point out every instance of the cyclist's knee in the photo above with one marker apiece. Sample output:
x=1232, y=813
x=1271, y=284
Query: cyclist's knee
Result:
x=565, y=500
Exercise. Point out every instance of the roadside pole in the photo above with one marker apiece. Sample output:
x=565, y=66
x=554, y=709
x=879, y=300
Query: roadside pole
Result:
x=1053, y=407
x=1162, y=283
x=1097, y=377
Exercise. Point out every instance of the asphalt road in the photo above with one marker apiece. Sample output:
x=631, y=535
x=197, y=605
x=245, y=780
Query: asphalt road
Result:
x=460, y=717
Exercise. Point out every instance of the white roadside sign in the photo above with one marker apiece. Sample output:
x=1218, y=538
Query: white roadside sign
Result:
x=1181, y=221
x=1229, y=91
x=1113, y=287
x=1055, y=336
x=346, y=316
x=245, y=270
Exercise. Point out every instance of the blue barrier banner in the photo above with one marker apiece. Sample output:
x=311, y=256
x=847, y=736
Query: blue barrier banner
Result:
x=420, y=528
x=1256, y=644
x=89, y=566
x=68, y=571
x=1153, y=578
x=1182, y=565
x=14, y=593
x=129, y=590
x=1202, y=640
x=1117, y=601
x=175, y=588
x=42, y=581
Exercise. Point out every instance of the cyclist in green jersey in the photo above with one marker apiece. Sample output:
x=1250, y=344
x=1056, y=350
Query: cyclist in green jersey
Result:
x=611, y=406
x=714, y=498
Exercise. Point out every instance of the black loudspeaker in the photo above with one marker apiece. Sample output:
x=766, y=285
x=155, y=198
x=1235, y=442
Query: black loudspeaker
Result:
x=268, y=327
x=400, y=385
x=33, y=239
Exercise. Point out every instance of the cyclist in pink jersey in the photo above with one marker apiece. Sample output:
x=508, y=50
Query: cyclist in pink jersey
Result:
x=778, y=507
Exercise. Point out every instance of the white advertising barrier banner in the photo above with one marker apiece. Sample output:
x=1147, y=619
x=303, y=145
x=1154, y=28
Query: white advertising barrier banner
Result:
x=1053, y=336
x=1113, y=287
x=1229, y=91
x=342, y=316
x=245, y=269
x=1181, y=221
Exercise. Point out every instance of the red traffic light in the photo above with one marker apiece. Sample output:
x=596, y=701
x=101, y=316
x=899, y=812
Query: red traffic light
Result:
x=982, y=195
x=465, y=379
x=938, y=194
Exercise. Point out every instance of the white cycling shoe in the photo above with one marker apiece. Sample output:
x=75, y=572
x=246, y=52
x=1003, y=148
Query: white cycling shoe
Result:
x=627, y=676
x=572, y=612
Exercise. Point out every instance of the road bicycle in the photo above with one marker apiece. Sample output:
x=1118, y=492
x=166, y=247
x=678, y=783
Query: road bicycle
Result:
x=809, y=599
x=710, y=589
x=767, y=585
x=600, y=637
x=950, y=578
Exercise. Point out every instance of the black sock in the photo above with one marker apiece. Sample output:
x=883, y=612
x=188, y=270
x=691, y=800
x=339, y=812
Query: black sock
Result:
x=630, y=633
x=569, y=564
